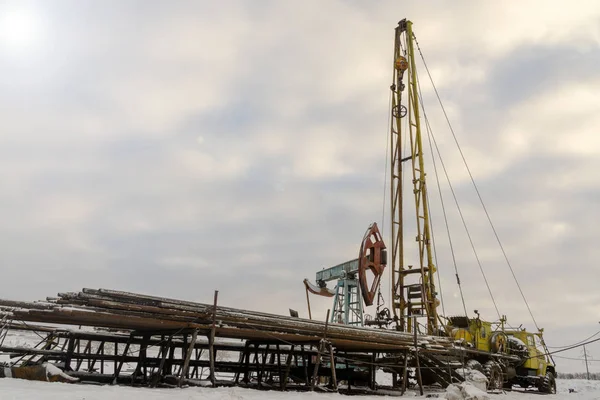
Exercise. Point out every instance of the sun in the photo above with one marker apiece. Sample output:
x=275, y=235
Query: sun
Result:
x=19, y=28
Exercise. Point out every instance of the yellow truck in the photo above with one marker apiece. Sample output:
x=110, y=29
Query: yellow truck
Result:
x=537, y=368
x=506, y=356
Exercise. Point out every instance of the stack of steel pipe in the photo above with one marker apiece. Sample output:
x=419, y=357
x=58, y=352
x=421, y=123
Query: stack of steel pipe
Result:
x=142, y=313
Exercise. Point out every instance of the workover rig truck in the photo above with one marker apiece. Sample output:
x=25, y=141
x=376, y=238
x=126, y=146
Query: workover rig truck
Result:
x=506, y=356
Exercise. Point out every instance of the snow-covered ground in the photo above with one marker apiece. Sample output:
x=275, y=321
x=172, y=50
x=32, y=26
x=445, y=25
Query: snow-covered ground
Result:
x=16, y=389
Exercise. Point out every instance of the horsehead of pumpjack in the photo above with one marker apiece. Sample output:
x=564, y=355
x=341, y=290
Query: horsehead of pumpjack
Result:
x=372, y=260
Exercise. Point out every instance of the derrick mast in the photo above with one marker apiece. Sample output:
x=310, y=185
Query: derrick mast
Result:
x=413, y=288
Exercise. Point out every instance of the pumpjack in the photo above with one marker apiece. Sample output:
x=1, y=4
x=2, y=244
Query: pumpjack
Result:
x=357, y=280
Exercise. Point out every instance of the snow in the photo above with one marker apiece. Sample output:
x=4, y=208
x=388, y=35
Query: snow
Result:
x=54, y=371
x=474, y=377
x=17, y=389
x=516, y=341
x=465, y=391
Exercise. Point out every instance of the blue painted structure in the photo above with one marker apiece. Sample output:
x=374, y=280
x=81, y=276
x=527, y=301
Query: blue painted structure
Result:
x=347, y=301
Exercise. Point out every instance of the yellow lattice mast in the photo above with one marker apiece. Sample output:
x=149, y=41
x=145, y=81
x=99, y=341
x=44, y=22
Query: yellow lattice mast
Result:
x=413, y=289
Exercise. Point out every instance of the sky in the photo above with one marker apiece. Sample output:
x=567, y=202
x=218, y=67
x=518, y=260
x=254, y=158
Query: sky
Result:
x=177, y=148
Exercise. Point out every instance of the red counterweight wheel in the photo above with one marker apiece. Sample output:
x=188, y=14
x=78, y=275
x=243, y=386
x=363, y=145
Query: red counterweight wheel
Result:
x=373, y=259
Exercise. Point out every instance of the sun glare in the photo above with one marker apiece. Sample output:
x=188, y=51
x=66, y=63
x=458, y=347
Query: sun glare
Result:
x=19, y=29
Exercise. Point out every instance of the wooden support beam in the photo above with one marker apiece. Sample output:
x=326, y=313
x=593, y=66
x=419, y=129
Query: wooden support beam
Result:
x=348, y=369
x=188, y=355
x=247, y=366
x=86, y=350
x=333, y=373
x=93, y=361
x=288, y=364
x=308, y=304
x=211, y=341
x=102, y=363
x=116, y=352
x=70, y=349
x=120, y=363
x=405, y=372
x=47, y=345
x=279, y=366
x=319, y=352
x=261, y=365
x=141, y=363
x=242, y=361
x=168, y=367
x=165, y=349
x=197, y=358
x=305, y=361
x=419, y=377
x=373, y=369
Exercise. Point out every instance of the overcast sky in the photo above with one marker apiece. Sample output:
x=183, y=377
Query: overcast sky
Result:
x=175, y=148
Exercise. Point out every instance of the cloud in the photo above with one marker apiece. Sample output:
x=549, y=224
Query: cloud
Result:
x=179, y=149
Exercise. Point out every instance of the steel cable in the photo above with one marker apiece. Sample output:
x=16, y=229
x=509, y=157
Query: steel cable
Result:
x=473, y=181
x=575, y=344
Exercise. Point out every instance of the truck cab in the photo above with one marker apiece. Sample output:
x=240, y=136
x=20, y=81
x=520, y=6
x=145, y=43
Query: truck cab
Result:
x=537, y=368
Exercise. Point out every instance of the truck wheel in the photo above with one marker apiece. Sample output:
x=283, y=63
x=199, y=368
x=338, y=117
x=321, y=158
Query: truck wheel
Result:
x=493, y=372
x=548, y=384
